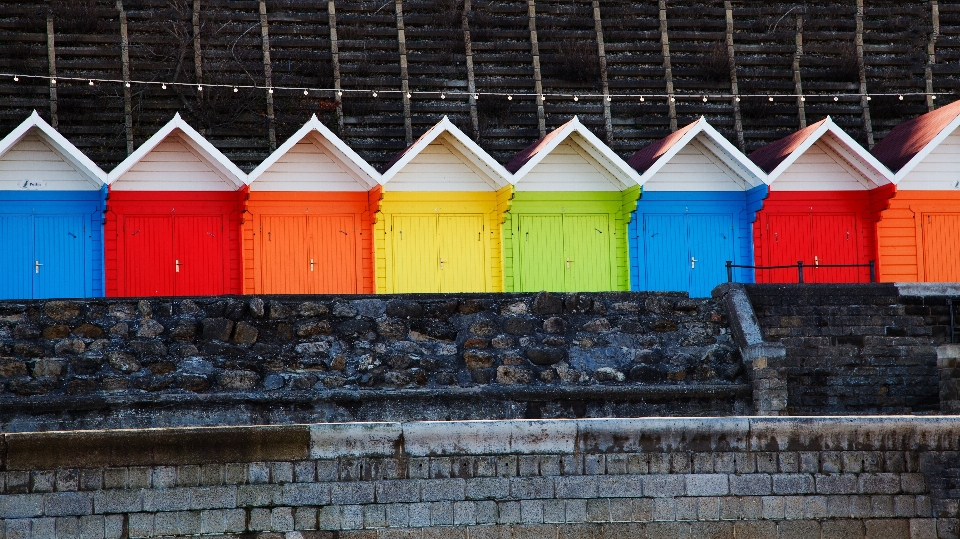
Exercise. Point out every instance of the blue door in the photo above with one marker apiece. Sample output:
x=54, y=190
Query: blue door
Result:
x=710, y=245
x=664, y=245
x=59, y=266
x=16, y=257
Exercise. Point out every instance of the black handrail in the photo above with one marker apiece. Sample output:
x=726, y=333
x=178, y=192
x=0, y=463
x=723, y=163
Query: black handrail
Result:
x=799, y=266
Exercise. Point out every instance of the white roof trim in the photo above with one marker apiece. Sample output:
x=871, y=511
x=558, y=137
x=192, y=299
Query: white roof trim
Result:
x=600, y=152
x=473, y=152
x=729, y=154
x=64, y=147
x=923, y=153
x=846, y=147
x=330, y=142
x=201, y=145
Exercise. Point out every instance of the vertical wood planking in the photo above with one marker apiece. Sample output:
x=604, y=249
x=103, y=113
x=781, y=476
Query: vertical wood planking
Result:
x=734, y=87
x=268, y=76
x=125, y=60
x=932, y=52
x=404, y=75
x=471, y=83
x=797, y=80
x=861, y=68
x=335, y=61
x=52, y=70
x=197, y=52
x=604, y=84
x=667, y=69
x=535, y=51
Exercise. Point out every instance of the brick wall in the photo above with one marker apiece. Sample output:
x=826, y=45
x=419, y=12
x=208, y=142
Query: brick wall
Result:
x=849, y=478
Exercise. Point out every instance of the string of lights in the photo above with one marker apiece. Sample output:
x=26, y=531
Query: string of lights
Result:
x=543, y=97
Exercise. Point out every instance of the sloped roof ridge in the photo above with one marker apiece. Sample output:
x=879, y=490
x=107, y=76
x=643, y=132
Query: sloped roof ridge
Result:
x=526, y=154
x=647, y=156
x=909, y=138
x=770, y=156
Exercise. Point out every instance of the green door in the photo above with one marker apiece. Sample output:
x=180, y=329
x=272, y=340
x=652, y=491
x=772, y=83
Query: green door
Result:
x=541, y=253
x=587, y=257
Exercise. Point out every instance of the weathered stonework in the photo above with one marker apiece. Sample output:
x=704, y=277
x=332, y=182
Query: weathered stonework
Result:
x=241, y=360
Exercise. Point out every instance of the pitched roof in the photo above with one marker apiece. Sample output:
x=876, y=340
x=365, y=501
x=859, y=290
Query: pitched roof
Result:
x=464, y=144
x=529, y=157
x=770, y=156
x=652, y=158
x=648, y=155
x=350, y=158
x=194, y=139
x=64, y=147
x=910, y=138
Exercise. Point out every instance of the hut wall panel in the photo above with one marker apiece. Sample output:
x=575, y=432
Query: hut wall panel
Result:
x=33, y=159
x=819, y=169
x=306, y=167
x=693, y=168
x=172, y=166
x=566, y=169
x=439, y=168
x=937, y=171
x=901, y=233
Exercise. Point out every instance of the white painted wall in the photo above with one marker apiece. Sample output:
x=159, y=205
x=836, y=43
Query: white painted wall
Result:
x=938, y=171
x=307, y=167
x=820, y=169
x=566, y=169
x=33, y=159
x=695, y=168
x=439, y=168
x=173, y=166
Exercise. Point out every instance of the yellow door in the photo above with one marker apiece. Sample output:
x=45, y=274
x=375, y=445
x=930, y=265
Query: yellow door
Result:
x=462, y=263
x=415, y=254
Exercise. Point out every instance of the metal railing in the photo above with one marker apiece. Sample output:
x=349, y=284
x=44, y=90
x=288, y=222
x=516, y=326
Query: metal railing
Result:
x=799, y=266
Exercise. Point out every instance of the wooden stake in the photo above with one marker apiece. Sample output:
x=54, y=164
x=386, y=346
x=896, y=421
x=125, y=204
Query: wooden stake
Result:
x=335, y=60
x=667, y=69
x=861, y=67
x=797, y=81
x=52, y=65
x=535, y=51
x=197, y=53
x=125, y=61
x=268, y=75
x=607, y=118
x=932, y=52
x=404, y=74
x=734, y=88
x=471, y=83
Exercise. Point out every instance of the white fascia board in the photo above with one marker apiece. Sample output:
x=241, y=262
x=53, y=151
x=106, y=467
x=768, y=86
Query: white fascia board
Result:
x=330, y=142
x=731, y=155
x=64, y=147
x=800, y=150
x=469, y=148
x=564, y=132
x=925, y=151
x=604, y=155
x=201, y=145
x=855, y=154
x=668, y=155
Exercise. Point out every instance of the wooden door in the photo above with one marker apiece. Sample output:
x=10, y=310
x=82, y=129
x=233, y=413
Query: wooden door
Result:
x=462, y=262
x=332, y=253
x=17, y=257
x=789, y=240
x=666, y=260
x=415, y=254
x=148, y=261
x=60, y=249
x=284, y=260
x=834, y=242
x=539, y=255
x=587, y=256
x=198, y=255
x=941, y=247
x=709, y=244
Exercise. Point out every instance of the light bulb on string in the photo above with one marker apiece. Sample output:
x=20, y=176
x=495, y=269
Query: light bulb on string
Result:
x=305, y=92
x=443, y=95
x=90, y=83
x=509, y=98
x=374, y=93
x=199, y=88
x=53, y=81
x=127, y=84
x=270, y=91
x=409, y=95
x=16, y=79
x=610, y=98
x=235, y=89
x=869, y=98
x=642, y=99
x=803, y=98
x=575, y=98
x=163, y=86
x=737, y=99
x=769, y=98
x=933, y=97
x=476, y=96
x=339, y=93
x=900, y=97
x=673, y=99
x=704, y=99
x=835, y=98
x=543, y=99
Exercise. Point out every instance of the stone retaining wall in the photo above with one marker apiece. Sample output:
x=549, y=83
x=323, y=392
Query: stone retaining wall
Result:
x=845, y=477
x=113, y=363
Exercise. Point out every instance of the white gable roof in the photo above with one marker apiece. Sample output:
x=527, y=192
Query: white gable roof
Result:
x=345, y=160
x=454, y=141
x=195, y=143
x=583, y=141
x=723, y=155
x=843, y=146
x=34, y=124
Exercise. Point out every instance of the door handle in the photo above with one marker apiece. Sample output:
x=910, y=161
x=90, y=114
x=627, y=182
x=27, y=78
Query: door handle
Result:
x=568, y=263
x=816, y=261
x=177, y=264
x=441, y=263
x=693, y=262
x=311, y=264
x=36, y=266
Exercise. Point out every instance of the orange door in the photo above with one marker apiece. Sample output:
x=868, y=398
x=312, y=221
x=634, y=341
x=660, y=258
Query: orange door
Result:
x=333, y=254
x=284, y=257
x=941, y=247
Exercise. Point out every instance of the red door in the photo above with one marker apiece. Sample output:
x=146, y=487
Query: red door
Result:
x=834, y=242
x=789, y=239
x=147, y=256
x=198, y=255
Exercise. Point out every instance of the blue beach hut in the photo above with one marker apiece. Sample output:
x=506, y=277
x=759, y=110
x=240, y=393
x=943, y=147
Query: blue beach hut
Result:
x=52, y=200
x=700, y=198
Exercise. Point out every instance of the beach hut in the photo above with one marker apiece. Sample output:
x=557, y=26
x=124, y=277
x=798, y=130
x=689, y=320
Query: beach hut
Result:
x=700, y=199
x=51, y=214
x=566, y=227
x=826, y=195
x=919, y=232
x=438, y=228
x=173, y=218
x=308, y=224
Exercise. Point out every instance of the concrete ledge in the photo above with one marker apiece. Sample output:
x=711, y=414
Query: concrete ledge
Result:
x=81, y=449
x=928, y=289
x=743, y=321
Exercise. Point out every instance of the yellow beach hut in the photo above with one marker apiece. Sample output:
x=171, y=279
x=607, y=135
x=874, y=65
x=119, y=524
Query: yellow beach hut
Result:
x=438, y=228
